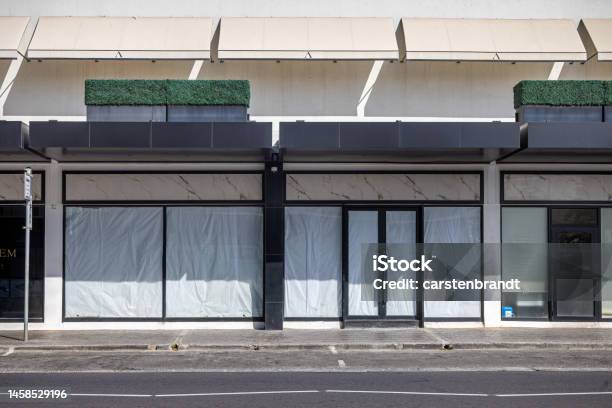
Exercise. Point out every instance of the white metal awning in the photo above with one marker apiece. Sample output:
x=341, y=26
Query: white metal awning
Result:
x=12, y=31
x=491, y=40
x=121, y=38
x=299, y=38
x=597, y=37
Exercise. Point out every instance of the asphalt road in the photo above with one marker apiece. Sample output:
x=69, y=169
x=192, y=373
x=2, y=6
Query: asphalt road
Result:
x=372, y=389
x=323, y=378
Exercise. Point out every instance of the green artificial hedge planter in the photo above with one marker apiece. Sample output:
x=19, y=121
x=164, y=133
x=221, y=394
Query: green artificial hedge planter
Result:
x=562, y=93
x=208, y=93
x=167, y=92
x=124, y=92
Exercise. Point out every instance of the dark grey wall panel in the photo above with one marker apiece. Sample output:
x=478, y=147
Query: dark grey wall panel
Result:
x=11, y=135
x=120, y=134
x=369, y=135
x=493, y=135
x=59, y=134
x=560, y=114
x=310, y=135
x=424, y=135
x=569, y=135
x=207, y=113
x=246, y=135
x=392, y=136
x=182, y=135
x=144, y=135
x=126, y=113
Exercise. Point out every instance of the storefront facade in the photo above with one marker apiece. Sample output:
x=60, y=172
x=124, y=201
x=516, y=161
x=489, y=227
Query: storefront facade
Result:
x=225, y=220
x=189, y=246
x=562, y=230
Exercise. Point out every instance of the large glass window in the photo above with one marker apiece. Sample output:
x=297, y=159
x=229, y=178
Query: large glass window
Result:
x=313, y=261
x=362, y=230
x=12, y=257
x=454, y=225
x=524, y=257
x=214, y=262
x=113, y=262
x=401, y=229
x=606, y=263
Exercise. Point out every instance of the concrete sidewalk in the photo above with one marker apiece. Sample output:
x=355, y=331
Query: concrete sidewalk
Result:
x=362, y=339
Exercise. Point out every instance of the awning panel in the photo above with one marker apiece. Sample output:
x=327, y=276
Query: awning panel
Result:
x=323, y=38
x=492, y=40
x=151, y=141
x=121, y=38
x=597, y=37
x=11, y=36
x=425, y=142
x=14, y=137
x=565, y=142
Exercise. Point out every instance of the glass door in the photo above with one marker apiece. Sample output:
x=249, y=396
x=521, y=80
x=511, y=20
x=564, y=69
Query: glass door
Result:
x=398, y=229
x=574, y=263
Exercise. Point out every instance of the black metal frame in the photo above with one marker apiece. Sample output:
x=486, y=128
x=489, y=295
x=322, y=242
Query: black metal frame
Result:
x=390, y=204
x=549, y=205
x=552, y=277
x=316, y=319
x=503, y=201
x=35, y=203
x=42, y=188
x=382, y=239
x=158, y=202
x=163, y=205
x=385, y=202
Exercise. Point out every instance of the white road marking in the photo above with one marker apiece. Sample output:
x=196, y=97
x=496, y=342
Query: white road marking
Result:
x=453, y=394
x=10, y=351
x=341, y=363
x=552, y=394
x=212, y=394
x=333, y=349
x=111, y=395
x=408, y=393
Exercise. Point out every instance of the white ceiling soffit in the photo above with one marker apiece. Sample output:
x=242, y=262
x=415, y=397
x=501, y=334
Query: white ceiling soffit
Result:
x=12, y=31
x=491, y=40
x=304, y=38
x=121, y=38
x=597, y=37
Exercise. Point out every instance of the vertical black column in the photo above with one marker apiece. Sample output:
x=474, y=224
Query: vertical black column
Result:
x=274, y=241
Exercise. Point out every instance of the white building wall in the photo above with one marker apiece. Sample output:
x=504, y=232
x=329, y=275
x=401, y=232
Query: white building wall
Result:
x=56, y=88
x=306, y=88
x=465, y=90
x=4, y=67
x=297, y=88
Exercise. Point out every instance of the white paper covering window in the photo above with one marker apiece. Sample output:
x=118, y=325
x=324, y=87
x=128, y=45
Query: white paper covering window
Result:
x=525, y=257
x=401, y=229
x=452, y=225
x=313, y=261
x=113, y=262
x=606, y=262
x=214, y=262
x=362, y=229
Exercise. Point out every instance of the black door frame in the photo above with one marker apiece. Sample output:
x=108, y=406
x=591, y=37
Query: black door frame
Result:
x=382, y=232
x=553, y=276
